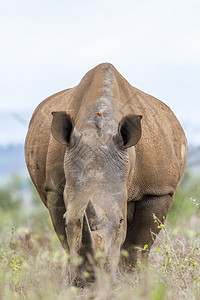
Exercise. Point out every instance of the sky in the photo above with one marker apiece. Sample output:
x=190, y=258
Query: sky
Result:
x=47, y=46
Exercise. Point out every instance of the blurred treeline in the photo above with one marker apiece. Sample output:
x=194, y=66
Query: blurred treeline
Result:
x=20, y=206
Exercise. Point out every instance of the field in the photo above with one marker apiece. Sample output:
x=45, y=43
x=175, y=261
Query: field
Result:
x=34, y=266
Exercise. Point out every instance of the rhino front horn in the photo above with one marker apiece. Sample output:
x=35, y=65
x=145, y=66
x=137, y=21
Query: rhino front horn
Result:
x=87, y=239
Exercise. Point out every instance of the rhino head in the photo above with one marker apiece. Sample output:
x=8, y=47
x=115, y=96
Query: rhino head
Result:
x=97, y=169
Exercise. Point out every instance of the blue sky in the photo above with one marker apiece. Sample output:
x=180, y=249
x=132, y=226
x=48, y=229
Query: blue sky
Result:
x=47, y=46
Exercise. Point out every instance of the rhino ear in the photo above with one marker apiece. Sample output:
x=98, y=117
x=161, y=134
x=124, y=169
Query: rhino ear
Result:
x=62, y=127
x=129, y=131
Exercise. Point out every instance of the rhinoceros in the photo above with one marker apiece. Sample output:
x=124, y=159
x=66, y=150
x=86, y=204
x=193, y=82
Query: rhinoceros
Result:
x=105, y=158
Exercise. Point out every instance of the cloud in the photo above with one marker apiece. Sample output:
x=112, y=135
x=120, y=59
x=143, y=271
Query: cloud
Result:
x=47, y=46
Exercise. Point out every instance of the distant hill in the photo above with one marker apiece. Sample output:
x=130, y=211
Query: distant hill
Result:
x=13, y=128
x=193, y=161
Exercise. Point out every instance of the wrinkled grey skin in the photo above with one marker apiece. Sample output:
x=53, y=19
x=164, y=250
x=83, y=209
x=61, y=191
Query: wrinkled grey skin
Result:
x=106, y=156
x=96, y=168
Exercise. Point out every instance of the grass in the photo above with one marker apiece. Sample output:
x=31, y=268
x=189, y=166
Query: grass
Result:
x=33, y=265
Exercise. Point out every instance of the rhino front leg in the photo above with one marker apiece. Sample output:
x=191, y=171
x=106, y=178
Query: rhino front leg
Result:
x=143, y=228
x=57, y=209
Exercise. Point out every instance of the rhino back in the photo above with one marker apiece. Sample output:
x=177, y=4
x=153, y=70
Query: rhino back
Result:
x=162, y=151
x=160, y=154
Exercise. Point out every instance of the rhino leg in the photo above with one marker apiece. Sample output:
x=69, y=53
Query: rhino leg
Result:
x=57, y=209
x=143, y=228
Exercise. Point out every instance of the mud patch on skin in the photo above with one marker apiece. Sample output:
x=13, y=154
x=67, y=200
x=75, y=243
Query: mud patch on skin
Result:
x=99, y=242
x=183, y=152
x=105, y=104
x=104, y=118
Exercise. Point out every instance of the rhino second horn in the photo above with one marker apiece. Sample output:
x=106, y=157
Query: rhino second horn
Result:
x=90, y=211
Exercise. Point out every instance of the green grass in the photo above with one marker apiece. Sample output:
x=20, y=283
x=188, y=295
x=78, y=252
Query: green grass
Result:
x=33, y=264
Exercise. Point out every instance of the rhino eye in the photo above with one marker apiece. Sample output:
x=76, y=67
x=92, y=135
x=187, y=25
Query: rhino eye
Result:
x=121, y=220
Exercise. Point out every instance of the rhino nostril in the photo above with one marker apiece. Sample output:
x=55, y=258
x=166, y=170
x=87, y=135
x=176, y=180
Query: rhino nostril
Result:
x=79, y=221
x=93, y=225
x=93, y=228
